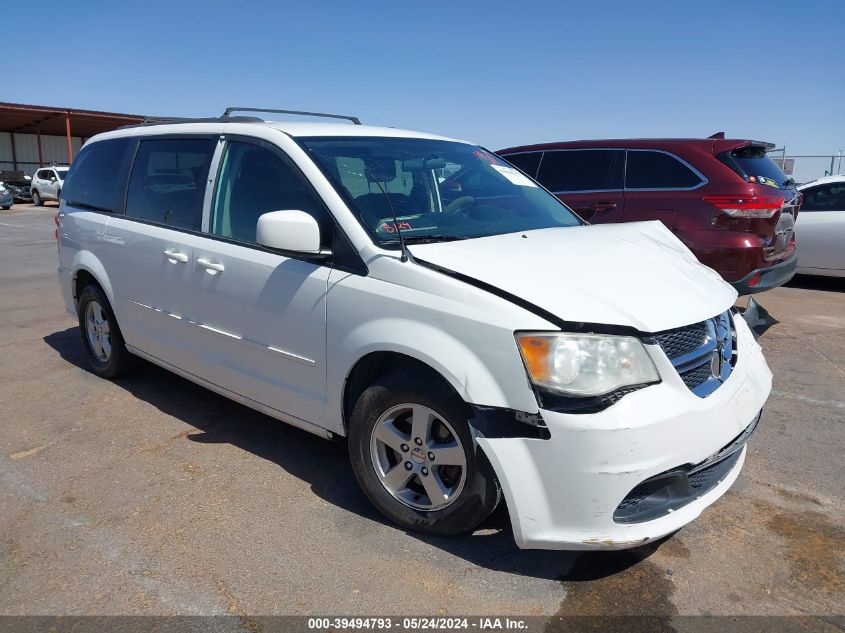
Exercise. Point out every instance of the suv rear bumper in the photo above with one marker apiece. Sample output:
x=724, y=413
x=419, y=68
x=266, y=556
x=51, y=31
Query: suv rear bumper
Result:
x=767, y=278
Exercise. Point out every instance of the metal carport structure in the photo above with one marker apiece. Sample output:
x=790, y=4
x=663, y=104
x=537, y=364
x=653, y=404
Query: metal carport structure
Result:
x=22, y=124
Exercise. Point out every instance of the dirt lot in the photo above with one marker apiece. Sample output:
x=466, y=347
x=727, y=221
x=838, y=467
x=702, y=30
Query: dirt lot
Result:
x=154, y=496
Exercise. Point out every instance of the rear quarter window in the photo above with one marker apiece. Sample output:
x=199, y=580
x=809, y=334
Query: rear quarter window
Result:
x=657, y=170
x=97, y=178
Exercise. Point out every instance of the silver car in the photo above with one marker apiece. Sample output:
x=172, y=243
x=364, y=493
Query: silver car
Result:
x=47, y=184
x=6, y=198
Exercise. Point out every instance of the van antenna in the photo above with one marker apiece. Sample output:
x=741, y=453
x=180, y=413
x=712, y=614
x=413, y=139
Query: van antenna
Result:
x=406, y=254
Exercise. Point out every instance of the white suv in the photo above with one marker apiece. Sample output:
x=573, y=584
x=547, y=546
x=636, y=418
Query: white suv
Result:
x=47, y=184
x=467, y=333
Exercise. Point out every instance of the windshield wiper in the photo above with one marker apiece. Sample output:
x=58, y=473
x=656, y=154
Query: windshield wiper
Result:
x=429, y=239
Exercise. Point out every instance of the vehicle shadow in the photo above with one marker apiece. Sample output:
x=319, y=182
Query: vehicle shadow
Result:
x=813, y=282
x=304, y=456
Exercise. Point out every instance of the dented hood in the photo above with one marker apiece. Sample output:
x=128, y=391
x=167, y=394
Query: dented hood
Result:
x=634, y=274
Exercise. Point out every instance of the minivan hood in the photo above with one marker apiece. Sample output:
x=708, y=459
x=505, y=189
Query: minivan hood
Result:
x=635, y=274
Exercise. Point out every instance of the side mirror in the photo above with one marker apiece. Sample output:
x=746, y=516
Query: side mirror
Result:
x=294, y=231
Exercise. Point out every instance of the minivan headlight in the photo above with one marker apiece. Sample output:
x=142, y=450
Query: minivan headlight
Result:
x=585, y=364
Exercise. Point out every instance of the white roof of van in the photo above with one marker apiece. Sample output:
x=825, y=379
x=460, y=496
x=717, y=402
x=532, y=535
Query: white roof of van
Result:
x=292, y=128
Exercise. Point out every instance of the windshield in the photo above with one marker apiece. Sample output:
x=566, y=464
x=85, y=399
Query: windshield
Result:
x=439, y=190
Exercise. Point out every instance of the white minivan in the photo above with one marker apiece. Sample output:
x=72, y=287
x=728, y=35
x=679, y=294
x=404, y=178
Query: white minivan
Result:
x=462, y=328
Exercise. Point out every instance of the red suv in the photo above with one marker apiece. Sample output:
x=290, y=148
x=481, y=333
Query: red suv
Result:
x=725, y=199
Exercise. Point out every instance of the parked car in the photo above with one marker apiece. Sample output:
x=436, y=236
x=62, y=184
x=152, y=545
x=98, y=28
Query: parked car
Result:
x=6, y=197
x=821, y=230
x=47, y=184
x=470, y=342
x=727, y=201
x=18, y=183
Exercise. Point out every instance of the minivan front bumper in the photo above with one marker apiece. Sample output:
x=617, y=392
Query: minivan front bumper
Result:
x=563, y=492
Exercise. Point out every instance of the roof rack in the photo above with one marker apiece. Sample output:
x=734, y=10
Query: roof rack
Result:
x=354, y=119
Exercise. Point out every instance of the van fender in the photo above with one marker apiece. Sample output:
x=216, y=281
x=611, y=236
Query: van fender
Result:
x=87, y=261
x=471, y=378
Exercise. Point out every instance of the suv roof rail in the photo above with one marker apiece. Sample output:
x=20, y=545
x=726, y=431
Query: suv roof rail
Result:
x=229, y=110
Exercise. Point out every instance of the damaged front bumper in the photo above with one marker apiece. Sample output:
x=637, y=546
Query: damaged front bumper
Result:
x=20, y=192
x=565, y=492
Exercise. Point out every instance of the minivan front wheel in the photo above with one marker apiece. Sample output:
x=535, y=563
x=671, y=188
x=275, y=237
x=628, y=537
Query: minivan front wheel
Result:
x=101, y=336
x=414, y=457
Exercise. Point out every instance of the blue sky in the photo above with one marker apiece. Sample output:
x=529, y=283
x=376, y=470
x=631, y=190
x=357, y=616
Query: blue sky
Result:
x=498, y=73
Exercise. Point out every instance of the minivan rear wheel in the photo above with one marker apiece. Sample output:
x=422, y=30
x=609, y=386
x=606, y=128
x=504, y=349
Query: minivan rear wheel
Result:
x=415, y=459
x=101, y=336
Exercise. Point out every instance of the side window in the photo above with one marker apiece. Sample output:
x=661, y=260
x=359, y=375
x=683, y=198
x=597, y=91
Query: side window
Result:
x=254, y=180
x=582, y=170
x=97, y=177
x=526, y=161
x=829, y=197
x=40, y=175
x=168, y=181
x=656, y=170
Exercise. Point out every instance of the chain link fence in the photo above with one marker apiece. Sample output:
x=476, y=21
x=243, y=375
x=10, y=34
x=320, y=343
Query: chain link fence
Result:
x=805, y=168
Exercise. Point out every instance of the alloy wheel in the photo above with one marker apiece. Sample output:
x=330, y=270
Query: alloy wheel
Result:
x=418, y=457
x=99, y=333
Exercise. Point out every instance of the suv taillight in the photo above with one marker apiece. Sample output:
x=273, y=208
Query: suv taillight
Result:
x=747, y=206
x=58, y=222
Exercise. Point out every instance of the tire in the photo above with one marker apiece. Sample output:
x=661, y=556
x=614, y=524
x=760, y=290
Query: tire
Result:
x=7, y=207
x=379, y=413
x=59, y=197
x=101, y=336
x=36, y=198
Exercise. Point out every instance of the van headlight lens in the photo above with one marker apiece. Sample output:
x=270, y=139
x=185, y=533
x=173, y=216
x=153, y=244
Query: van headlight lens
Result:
x=585, y=364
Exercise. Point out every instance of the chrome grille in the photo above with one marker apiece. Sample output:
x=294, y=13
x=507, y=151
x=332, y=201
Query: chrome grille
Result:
x=703, y=354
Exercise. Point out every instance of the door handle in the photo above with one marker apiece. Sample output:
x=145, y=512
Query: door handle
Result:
x=175, y=256
x=210, y=265
x=603, y=206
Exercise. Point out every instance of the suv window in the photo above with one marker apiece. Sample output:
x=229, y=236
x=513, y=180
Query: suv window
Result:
x=41, y=174
x=97, y=177
x=168, y=181
x=656, y=170
x=752, y=163
x=830, y=197
x=254, y=180
x=526, y=161
x=582, y=170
